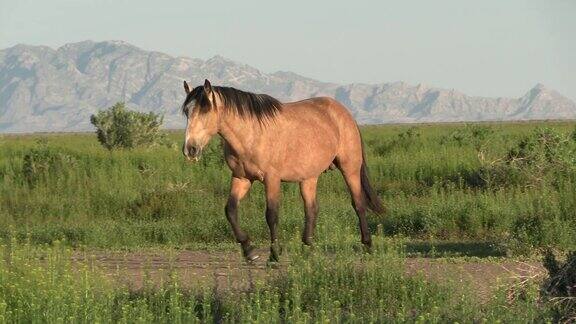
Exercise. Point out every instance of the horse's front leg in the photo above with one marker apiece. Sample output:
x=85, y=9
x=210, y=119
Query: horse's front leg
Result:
x=272, y=204
x=238, y=189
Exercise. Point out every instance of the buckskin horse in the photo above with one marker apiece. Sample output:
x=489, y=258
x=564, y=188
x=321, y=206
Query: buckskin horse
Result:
x=269, y=141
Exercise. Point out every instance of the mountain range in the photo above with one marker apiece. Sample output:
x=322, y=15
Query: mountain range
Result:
x=45, y=89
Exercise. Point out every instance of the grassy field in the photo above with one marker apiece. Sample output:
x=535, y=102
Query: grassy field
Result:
x=431, y=179
x=489, y=190
x=343, y=286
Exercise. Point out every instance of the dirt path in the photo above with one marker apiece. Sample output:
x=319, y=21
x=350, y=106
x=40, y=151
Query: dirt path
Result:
x=224, y=270
x=482, y=277
x=193, y=269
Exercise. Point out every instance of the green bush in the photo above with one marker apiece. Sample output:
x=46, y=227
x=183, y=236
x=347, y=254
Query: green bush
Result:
x=160, y=204
x=118, y=127
x=212, y=156
x=42, y=162
x=560, y=286
x=476, y=135
x=404, y=140
x=540, y=157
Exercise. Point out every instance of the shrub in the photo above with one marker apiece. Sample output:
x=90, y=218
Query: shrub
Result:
x=404, y=140
x=212, y=155
x=535, y=159
x=543, y=146
x=160, y=203
x=44, y=161
x=476, y=135
x=118, y=127
x=560, y=286
x=562, y=276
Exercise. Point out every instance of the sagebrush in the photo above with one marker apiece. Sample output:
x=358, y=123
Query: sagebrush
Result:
x=118, y=127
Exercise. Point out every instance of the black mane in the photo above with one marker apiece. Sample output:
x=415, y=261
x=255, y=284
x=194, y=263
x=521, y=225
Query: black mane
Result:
x=246, y=104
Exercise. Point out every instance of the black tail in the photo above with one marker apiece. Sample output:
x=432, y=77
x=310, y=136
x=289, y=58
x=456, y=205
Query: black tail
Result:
x=370, y=196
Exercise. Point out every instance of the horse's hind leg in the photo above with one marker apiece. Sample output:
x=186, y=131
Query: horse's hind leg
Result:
x=308, y=192
x=272, y=186
x=353, y=180
x=238, y=189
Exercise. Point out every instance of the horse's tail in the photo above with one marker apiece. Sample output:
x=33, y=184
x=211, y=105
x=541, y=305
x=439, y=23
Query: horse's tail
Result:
x=370, y=196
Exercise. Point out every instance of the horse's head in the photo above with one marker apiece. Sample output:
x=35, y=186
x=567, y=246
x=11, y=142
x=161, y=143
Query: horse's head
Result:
x=201, y=111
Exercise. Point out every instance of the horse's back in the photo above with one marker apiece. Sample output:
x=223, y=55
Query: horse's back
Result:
x=349, y=152
x=321, y=130
x=329, y=111
x=333, y=113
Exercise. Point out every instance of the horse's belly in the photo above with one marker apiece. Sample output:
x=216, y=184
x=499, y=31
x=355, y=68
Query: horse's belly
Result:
x=306, y=161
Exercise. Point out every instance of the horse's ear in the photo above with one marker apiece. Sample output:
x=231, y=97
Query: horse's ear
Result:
x=186, y=87
x=207, y=87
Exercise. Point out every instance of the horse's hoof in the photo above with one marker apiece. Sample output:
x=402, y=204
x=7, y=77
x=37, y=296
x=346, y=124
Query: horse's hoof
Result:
x=275, y=252
x=252, y=257
x=273, y=258
x=250, y=254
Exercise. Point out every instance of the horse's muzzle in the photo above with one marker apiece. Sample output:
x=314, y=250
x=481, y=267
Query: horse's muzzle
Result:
x=191, y=152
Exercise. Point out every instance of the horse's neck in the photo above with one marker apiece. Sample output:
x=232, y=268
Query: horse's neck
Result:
x=241, y=134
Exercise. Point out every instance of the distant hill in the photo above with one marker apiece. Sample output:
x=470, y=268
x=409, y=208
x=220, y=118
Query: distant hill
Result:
x=42, y=89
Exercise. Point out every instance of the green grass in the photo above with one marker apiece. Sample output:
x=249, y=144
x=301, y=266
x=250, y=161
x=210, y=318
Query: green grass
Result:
x=450, y=190
x=68, y=186
x=343, y=286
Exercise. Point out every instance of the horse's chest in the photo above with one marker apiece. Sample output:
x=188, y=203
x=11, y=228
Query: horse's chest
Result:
x=244, y=169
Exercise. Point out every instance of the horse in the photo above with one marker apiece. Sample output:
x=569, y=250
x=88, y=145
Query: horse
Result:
x=273, y=142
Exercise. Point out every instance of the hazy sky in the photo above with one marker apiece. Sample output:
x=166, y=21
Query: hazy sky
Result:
x=487, y=47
